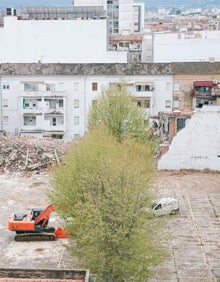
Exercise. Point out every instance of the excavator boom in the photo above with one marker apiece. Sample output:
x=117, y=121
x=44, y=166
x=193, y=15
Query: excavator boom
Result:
x=45, y=215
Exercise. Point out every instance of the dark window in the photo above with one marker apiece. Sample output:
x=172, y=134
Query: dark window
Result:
x=94, y=86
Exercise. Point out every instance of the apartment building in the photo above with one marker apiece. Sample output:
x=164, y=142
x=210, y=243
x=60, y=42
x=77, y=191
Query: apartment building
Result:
x=54, y=99
x=123, y=15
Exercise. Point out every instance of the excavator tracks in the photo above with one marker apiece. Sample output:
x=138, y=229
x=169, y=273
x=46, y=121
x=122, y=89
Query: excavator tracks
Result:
x=44, y=236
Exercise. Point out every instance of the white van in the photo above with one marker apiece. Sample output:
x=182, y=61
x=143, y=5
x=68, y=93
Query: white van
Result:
x=165, y=206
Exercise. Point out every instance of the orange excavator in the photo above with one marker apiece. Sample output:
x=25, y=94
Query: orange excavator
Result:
x=34, y=226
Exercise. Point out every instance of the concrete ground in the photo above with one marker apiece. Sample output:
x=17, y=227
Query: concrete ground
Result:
x=19, y=194
x=194, y=233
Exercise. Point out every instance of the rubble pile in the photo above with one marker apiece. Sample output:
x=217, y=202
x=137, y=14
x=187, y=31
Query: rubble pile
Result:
x=30, y=153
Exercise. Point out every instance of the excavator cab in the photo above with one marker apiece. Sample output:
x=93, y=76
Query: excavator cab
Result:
x=35, y=212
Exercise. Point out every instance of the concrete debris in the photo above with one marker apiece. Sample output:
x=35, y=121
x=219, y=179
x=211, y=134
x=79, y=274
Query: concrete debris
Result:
x=19, y=153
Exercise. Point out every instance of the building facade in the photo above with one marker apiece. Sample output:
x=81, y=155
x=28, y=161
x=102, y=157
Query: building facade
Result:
x=54, y=99
x=122, y=14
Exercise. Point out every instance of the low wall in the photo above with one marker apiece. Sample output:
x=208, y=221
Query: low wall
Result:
x=55, y=274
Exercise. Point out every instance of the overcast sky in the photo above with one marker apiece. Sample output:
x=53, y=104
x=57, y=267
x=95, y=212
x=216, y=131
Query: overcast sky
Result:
x=148, y=3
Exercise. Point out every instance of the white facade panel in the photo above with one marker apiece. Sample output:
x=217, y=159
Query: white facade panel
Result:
x=56, y=41
x=186, y=47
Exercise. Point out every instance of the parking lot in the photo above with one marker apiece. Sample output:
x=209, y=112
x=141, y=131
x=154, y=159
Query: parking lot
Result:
x=194, y=233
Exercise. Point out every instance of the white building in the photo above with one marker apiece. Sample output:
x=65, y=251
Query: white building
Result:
x=123, y=15
x=195, y=46
x=54, y=99
x=56, y=41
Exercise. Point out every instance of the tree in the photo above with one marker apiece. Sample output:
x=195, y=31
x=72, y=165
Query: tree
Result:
x=117, y=110
x=102, y=189
x=100, y=192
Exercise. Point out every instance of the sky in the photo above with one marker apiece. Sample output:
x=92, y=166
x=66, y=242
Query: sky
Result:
x=148, y=3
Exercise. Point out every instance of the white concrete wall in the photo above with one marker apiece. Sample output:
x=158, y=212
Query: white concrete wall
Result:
x=174, y=47
x=197, y=146
x=56, y=41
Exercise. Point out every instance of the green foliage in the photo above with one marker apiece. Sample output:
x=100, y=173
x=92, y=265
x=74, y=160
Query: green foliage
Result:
x=100, y=191
x=116, y=109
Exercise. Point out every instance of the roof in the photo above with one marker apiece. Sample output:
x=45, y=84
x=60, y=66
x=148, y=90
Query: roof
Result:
x=196, y=68
x=113, y=69
x=84, y=69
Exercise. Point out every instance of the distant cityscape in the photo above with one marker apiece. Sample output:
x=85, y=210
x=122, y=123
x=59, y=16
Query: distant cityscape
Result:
x=180, y=4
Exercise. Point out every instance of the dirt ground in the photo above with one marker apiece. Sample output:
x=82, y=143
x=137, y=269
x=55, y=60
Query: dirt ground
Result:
x=194, y=233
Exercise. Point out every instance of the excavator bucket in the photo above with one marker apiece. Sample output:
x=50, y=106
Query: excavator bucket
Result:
x=60, y=233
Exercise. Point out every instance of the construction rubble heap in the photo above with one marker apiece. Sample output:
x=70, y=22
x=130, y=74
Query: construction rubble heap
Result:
x=30, y=153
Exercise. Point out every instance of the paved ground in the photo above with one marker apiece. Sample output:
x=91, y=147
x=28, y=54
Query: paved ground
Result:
x=195, y=232
x=20, y=195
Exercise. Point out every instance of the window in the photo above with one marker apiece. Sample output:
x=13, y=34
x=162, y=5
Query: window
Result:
x=76, y=120
x=94, y=86
x=48, y=87
x=115, y=86
x=52, y=104
x=5, y=120
x=76, y=136
x=94, y=102
x=176, y=104
x=29, y=120
x=31, y=87
x=167, y=103
x=168, y=86
x=76, y=103
x=57, y=136
x=76, y=86
x=60, y=103
x=6, y=86
x=5, y=103
x=144, y=87
x=144, y=103
x=54, y=121
x=176, y=86
x=181, y=122
x=203, y=91
x=60, y=86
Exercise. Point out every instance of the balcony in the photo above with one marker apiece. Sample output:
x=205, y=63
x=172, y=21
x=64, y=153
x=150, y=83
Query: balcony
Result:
x=41, y=89
x=202, y=88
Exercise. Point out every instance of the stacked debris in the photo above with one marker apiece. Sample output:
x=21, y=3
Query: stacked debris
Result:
x=30, y=153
